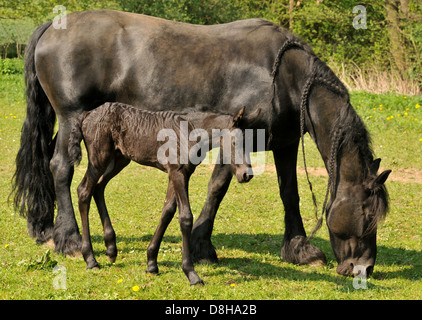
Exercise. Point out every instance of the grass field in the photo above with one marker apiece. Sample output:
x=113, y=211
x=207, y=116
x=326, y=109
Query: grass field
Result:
x=248, y=230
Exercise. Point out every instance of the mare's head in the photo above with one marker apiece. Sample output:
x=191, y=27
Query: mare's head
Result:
x=352, y=223
x=360, y=201
x=233, y=148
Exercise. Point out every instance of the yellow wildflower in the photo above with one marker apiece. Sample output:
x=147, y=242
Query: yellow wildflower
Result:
x=135, y=288
x=120, y=281
x=417, y=106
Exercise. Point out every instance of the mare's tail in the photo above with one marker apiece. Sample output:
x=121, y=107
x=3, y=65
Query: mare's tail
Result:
x=32, y=183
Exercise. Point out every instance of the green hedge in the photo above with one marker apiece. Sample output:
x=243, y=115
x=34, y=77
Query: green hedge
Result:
x=11, y=66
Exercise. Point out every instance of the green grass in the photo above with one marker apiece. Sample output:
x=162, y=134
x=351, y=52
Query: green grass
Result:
x=248, y=229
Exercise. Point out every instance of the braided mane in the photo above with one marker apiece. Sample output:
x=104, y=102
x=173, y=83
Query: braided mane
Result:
x=347, y=133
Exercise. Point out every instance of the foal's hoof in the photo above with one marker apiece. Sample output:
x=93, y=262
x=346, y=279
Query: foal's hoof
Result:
x=197, y=282
x=194, y=279
x=153, y=269
x=112, y=259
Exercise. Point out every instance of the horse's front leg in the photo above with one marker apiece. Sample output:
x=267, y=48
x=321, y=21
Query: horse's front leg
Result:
x=202, y=249
x=296, y=247
x=180, y=181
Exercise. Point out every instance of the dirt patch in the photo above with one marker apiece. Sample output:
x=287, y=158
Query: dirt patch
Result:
x=401, y=174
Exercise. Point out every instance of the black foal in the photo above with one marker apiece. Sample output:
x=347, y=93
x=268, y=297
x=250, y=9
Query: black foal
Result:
x=115, y=134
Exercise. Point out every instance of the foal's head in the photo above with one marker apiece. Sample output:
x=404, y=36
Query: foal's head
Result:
x=234, y=141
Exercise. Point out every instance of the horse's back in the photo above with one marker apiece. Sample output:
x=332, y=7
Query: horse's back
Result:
x=117, y=56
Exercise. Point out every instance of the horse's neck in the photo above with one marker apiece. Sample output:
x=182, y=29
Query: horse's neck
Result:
x=343, y=161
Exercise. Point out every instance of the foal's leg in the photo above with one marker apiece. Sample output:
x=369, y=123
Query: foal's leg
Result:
x=85, y=191
x=167, y=215
x=117, y=165
x=180, y=182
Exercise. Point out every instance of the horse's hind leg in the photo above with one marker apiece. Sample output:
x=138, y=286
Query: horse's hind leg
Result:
x=66, y=235
x=167, y=215
x=116, y=165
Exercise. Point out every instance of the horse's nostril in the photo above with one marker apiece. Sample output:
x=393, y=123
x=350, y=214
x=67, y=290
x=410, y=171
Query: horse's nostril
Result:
x=245, y=177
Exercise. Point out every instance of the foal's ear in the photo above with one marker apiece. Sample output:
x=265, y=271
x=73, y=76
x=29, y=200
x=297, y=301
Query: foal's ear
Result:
x=238, y=117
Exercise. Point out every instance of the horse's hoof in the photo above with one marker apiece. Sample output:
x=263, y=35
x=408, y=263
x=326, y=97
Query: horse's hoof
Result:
x=203, y=252
x=299, y=250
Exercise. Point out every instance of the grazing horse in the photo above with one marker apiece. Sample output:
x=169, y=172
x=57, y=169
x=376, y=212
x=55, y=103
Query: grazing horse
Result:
x=164, y=65
x=115, y=134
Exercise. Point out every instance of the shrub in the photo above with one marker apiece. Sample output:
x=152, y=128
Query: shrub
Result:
x=11, y=66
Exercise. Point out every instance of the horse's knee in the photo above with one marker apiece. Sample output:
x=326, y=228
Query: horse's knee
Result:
x=186, y=221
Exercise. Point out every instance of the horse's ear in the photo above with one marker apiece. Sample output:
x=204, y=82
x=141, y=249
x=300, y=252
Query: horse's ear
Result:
x=382, y=178
x=238, y=117
x=375, y=165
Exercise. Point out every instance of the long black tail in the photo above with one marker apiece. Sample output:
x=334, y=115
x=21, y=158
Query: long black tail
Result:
x=33, y=186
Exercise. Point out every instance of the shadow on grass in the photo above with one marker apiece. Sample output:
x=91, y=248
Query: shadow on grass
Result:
x=268, y=244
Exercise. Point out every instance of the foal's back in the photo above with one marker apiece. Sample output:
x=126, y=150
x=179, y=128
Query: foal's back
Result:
x=130, y=130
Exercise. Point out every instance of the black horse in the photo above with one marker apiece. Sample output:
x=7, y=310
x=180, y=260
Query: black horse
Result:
x=163, y=65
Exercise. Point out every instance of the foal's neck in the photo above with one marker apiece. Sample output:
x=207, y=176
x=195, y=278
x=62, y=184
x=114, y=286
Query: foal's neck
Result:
x=209, y=121
x=213, y=124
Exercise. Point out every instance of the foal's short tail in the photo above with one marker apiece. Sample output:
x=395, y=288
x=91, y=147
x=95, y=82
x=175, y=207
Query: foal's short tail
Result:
x=74, y=147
